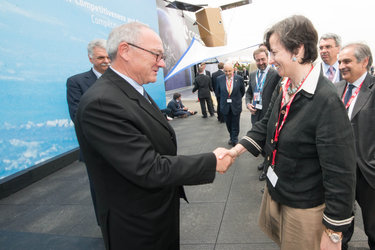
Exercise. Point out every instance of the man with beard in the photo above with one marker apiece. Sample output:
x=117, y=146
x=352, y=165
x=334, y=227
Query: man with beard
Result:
x=262, y=83
x=329, y=48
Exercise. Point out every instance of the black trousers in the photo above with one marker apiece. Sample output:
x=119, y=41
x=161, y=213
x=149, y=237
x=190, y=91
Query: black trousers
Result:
x=210, y=106
x=365, y=196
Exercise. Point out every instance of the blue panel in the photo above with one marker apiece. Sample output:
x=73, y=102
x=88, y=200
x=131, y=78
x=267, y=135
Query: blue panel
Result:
x=43, y=43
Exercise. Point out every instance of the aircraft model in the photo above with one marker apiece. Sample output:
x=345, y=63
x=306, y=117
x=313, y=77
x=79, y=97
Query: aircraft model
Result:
x=208, y=19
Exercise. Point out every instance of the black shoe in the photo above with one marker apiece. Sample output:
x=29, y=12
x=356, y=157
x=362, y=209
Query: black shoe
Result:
x=262, y=176
x=204, y=116
x=260, y=166
x=212, y=115
x=230, y=142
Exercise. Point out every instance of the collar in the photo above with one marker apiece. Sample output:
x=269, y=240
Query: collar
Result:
x=326, y=66
x=310, y=82
x=358, y=82
x=97, y=73
x=133, y=83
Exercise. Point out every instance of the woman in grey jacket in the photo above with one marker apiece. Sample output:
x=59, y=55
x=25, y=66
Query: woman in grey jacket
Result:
x=309, y=147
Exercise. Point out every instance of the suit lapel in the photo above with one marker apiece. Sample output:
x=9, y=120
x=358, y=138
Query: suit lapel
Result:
x=151, y=108
x=363, y=95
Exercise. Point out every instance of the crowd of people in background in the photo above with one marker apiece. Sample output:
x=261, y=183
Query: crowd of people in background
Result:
x=312, y=122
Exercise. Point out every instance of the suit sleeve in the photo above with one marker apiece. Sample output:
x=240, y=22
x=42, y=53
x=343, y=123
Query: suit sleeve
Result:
x=242, y=87
x=73, y=94
x=249, y=93
x=113, y=133
x=195, y=86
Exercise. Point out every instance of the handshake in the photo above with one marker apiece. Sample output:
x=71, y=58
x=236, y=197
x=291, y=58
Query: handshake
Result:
x=226, y=157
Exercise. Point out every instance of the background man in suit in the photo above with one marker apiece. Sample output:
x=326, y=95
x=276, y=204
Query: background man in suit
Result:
x=177, y=108
x=203, y=84
x=130, y=149
x=203, y=65
x=262, y=83
x=215, y=75
x=231, y=90
x=358, y=94
x=329, y=47
x=78, y=84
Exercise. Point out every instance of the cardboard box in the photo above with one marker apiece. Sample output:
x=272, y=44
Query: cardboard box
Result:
x=211, y=27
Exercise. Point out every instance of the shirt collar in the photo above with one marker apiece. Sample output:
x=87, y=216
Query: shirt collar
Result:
x=97, y=73
x=326, y=66
x=358, y=82
x=133, y=83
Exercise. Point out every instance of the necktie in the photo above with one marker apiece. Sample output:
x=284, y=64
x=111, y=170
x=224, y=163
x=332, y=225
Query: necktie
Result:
x=260, y=76
x=146, y=95
x=348, y=93
x=331, y=73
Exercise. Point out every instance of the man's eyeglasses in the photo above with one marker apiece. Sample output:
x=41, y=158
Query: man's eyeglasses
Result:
x=158, y=56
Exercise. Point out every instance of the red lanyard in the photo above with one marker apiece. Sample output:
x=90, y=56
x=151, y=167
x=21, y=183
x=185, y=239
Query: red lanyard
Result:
x=286, y=113
x=353, y=95
x=229, y=86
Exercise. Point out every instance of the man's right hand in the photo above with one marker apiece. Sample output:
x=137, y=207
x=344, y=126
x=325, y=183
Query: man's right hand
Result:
x=251, y=108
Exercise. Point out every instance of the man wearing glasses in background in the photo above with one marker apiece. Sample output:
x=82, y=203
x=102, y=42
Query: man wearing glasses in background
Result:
x=329, y=48
x=130, y=149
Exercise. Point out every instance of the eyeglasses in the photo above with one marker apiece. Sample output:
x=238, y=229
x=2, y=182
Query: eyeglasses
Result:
x=158, y=56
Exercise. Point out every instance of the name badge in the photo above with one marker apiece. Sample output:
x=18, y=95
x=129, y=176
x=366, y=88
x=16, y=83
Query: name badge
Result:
x=258, y=106
x=229, y=100
x=256, y=96
x=271, y=175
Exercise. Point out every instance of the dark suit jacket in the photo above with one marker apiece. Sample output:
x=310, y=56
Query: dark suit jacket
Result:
x=203, y=84
x=237, y=93
x=130, y=151
x=176, y=107
x=363, y=120
x=214, y=80
x=271, y=81
x=75, y=87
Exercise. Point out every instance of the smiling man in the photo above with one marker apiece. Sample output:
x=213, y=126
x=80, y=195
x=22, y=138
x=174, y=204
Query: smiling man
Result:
x=357, y=91
x=262, y=83
x=131, y=150
x=329, y=48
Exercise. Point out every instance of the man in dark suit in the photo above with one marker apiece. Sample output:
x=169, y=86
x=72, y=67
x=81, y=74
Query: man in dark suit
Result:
x=261, y=86
x=130, y=149
x=203, y=84
x=231, y=90
x=203, y=66
x=177, y=108
x=215, y=75
x=357, y=91
x=262, y=83
x=78, y=84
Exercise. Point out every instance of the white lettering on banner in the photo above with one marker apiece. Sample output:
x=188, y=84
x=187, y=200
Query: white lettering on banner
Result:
x=101, y=11
x=104, y=22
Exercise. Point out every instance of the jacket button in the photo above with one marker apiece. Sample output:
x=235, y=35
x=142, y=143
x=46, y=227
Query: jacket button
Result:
x=283, y=112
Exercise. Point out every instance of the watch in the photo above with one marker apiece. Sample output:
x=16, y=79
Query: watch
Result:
x=335, y=237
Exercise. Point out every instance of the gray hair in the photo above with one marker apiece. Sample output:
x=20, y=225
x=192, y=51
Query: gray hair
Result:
x=361, y=52
x=333, y=36
x=101, y=43
x=129, y=33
